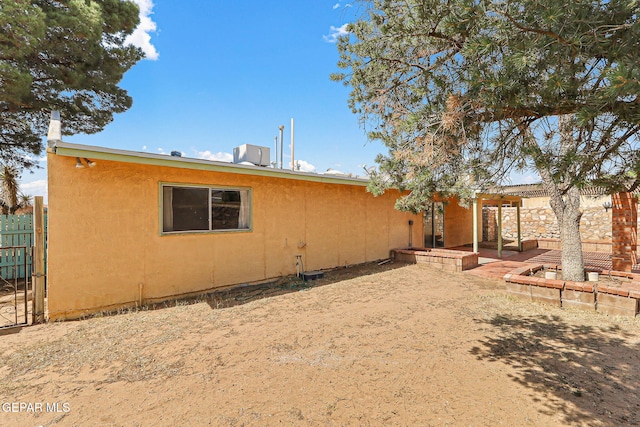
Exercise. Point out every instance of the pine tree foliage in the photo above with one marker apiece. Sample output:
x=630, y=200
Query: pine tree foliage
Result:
x=65, y=55
x=462, y=92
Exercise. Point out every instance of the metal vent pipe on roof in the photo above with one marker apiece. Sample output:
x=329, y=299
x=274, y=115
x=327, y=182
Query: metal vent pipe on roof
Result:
x=275, y=142
x=293, y=161
x=281, y=127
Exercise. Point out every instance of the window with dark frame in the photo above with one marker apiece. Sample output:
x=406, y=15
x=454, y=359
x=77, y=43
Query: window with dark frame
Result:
x=204, y=209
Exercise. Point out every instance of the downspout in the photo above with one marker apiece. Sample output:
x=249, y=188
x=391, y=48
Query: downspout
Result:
x=140, y=289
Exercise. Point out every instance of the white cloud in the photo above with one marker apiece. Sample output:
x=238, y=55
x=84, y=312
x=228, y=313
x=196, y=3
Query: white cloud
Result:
x=141, y=35
x=35, y=188
x=219, y=156
x=161, y=150
x=333, y=172
x=33, y=159
x=335, y=6
x=531, y=179
x=304, y=166
x=335, y=33
x=144, y=147
x=519, y=178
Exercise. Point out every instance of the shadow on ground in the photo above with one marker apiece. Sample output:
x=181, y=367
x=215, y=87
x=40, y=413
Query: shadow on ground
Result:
x=246, y=293
x=586, y=375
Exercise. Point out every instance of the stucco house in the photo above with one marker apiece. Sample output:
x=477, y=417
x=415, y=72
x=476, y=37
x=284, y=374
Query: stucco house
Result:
x=127, y=228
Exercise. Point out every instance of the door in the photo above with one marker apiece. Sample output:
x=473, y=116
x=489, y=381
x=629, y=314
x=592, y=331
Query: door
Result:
x=434, y=226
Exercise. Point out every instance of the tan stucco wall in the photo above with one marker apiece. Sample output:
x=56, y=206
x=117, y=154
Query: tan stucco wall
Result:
x=458, y=224
x=105, y=245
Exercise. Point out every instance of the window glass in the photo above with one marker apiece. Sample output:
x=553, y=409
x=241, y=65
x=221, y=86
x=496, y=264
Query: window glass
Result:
x=225, y=210
x=204, y=209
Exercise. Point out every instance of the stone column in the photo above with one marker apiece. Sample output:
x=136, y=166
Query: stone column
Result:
x=624, y=226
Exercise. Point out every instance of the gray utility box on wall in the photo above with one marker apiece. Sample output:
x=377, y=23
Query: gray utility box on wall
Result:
x=259, y=156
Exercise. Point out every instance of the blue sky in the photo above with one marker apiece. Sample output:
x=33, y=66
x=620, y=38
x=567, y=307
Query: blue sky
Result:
x=221, y=74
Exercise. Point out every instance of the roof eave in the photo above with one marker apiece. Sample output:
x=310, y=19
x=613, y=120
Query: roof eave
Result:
x=66, y=149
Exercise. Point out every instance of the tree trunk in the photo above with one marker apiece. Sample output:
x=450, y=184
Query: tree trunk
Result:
x=565, y=202
x=567, y=210
x=572, y=261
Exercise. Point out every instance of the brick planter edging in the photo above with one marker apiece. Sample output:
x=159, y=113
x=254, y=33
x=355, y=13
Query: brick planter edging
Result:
x=443, y=259
x=587, y=245
x=616, y=300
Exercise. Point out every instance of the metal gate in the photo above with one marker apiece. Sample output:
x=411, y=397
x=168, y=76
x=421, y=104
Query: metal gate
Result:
x=15, y=288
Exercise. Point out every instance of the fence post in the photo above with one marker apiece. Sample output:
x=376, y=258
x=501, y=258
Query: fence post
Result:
x=38, y=260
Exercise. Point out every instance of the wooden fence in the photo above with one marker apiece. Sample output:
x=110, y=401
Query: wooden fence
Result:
x=16, y=230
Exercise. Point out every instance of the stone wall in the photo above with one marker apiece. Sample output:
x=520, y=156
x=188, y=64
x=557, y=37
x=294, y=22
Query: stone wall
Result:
x=541, y=223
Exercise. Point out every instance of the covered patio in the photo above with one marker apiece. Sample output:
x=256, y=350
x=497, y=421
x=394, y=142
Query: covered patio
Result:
x=623, y=256
x=481, y=199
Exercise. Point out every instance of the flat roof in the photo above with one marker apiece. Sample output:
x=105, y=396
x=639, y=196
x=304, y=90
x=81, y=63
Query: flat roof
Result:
x=538, y=190
x=91, y=152
x=67, y=149
x=499, y=196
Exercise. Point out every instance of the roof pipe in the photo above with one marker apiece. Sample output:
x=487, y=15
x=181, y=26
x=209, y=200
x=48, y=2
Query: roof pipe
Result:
x=275, y=152
x=281, y=128
x=293, y=161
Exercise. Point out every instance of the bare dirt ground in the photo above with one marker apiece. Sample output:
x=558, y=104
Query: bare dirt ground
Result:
x=404, y=346
x=12, y=304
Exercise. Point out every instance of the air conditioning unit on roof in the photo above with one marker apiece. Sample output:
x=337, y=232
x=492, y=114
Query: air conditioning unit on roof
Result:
x=259, y=156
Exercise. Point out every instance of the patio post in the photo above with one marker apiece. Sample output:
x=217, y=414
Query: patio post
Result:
x=38, y=275
x=475, y=223
x=519, y=229
x=500, y=228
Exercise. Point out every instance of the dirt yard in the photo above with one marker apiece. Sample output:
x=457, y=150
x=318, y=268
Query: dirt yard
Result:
x=404, y=346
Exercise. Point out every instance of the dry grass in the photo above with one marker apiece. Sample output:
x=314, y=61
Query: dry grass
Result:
x=581, y=365
x=109, y=342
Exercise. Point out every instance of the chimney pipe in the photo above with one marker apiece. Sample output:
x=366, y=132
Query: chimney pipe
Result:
x=275, y=163
x=293, y=161
x=55, y=132
x=281, y=127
